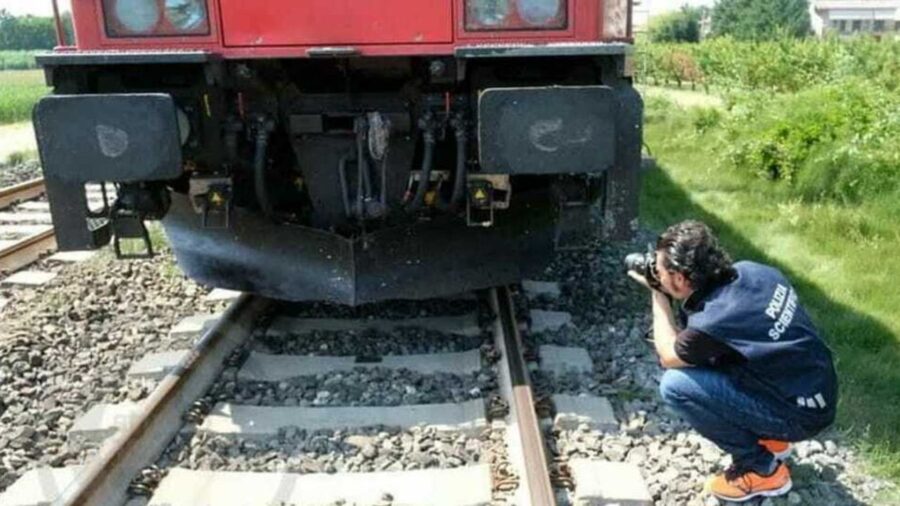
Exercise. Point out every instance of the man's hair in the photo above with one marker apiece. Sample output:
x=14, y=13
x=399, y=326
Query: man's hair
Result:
x=691, y=248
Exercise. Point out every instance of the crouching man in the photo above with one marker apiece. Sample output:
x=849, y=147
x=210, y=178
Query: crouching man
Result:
x=746, y=367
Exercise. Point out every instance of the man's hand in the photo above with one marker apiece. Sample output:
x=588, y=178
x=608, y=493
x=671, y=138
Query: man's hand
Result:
x=664, y=330
x=640, y=279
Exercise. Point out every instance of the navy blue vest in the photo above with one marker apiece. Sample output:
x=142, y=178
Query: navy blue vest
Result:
x=758, y=314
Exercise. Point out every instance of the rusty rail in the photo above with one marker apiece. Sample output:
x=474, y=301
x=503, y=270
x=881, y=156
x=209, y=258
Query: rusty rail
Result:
x=527, y=452
x=22, y=191
x=28, y=249
x=137, y=445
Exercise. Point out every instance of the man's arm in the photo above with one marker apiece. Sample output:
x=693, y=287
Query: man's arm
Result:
x=664, y=331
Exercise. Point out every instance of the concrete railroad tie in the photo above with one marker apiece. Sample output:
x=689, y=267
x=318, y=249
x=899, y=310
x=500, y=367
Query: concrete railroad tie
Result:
x=563, y=359
x=27, y=217
x=29, y=278
x=573, y=411
x=538, y=289
x=23, y=230
x=602, y=483
x=464, y=325
x=103, y=420
x=548, y=321
x=266, y=367
x=463, y=486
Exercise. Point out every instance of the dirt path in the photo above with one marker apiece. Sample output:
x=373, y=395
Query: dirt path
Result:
x=684, y=98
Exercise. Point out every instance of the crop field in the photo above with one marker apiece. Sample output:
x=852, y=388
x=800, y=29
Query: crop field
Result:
x=19, y=90
x=795, y=163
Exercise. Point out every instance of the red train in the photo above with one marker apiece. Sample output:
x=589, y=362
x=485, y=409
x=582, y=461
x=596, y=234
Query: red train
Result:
x=345, y=150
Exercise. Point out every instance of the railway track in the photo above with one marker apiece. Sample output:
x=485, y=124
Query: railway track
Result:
x=476, y=441
x=26, y=228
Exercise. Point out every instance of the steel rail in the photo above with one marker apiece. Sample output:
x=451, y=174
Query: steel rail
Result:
x=27, y=250
x=140, y=441
x=527, y=452
x=22, y=191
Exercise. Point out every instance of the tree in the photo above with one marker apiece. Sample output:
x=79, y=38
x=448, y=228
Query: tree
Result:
x=26, y=32
x=761, y=19
x=679, y=26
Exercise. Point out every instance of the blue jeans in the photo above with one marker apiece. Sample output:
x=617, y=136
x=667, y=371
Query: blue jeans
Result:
x=731, y=417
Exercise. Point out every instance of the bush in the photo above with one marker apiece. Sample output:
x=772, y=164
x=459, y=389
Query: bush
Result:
x=784, y=65
x=833, y=142
x=679, y=26
x=17, y=60
x=761, y=19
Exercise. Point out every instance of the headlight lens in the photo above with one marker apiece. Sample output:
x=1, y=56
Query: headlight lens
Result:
x=137, y=16
x=539, y=12
x=486, y=13
x=156, y=18
x=187, y=15
x=516, y=14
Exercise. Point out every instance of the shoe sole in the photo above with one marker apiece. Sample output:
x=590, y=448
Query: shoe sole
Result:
x=783, y=455
x=762, y=493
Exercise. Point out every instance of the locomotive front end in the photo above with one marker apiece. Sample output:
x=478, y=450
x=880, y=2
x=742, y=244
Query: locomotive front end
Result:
x=345, y=153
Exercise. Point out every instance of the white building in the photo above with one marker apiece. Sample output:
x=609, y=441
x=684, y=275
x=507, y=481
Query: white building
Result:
x=848, y=17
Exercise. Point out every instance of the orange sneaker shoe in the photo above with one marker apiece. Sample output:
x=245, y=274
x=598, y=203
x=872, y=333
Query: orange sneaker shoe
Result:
x=740, y=486
x=780, y=449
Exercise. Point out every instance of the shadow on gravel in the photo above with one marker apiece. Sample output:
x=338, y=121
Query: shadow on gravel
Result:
x=869, y=406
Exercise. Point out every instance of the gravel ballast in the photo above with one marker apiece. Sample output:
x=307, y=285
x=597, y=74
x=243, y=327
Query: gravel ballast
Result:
x=403, y=341
x=67, y=345
x=326, y=451
x=19, y=173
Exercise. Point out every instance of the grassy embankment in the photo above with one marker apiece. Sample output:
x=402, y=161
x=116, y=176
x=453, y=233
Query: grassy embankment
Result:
x=19, y=90
x=832, y=225
x=17, y=60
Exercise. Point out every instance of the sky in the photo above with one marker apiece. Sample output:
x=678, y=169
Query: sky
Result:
x=36, y=7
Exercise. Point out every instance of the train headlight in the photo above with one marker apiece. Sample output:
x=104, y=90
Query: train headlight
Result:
x=483, y=15
x=540, y=12
x=137, y=16
x=187, y=15
x=155, y=18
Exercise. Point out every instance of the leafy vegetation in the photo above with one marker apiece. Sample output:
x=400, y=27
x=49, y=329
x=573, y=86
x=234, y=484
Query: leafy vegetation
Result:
x=832, y=142
x=840, y=256
x=31, y=32
x=680, y=26
x=19, y=90
x=17, y=60
x=798, y=166
x=761, y=19
x=783, y=65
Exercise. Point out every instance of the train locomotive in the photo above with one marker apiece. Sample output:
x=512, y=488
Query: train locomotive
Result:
x=344, y=151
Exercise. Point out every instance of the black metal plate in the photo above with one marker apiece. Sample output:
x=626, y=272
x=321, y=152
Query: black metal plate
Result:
x=428, y=259
x=118, y=138
x=548, y=130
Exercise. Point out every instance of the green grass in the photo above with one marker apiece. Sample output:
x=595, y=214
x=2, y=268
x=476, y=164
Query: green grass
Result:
x=842, y=259
x=17, y=60
x=19, y=90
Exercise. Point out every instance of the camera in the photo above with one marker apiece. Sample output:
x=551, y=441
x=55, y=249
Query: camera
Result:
x=645, y=265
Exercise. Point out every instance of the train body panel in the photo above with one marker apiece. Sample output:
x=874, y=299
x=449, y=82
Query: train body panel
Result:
x=361, y=157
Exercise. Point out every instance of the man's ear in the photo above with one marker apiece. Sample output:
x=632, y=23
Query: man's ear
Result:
x=682, y=280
